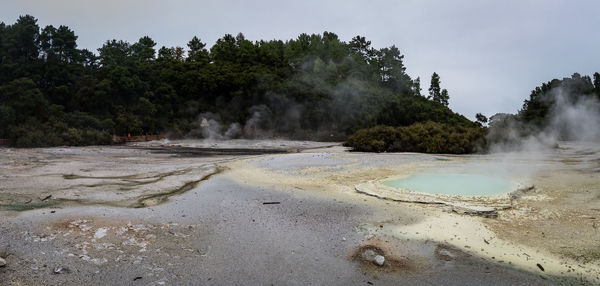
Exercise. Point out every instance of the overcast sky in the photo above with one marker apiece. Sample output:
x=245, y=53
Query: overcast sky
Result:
x=489, y=54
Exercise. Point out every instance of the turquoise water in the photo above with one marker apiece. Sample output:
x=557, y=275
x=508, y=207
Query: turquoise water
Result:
x=452, y=184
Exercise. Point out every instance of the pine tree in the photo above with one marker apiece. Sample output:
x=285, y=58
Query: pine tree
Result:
x=481, y=118
x=417, y=86
x=435, y=93
x=444, y=97
x=597, y=83
x=434, y=87
x=197, y=51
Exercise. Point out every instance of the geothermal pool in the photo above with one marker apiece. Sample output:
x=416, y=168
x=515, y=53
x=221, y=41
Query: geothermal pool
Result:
x=453, y=184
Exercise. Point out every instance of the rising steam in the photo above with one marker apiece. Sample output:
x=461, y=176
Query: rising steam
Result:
x=282, y=114
x=572, y=117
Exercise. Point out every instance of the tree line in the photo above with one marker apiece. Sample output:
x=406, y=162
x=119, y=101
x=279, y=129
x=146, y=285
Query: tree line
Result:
x=313, y=87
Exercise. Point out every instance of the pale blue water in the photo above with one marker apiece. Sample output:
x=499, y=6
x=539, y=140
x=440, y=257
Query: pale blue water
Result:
x=453, y=184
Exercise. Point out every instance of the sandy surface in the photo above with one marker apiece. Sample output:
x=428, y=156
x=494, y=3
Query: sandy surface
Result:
x=197, y=217
x=554, y=225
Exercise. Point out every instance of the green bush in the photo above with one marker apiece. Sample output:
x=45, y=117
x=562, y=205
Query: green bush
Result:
x=96, y=137
x=429, y=137
x=35, y=135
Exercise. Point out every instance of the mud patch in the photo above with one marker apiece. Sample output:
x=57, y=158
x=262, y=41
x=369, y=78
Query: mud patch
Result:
x=177, y=151
x=17, y=202
x=391, y=264
x=394, y=263
x=156, y=199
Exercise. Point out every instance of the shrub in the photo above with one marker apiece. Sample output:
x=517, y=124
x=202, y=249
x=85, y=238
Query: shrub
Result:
x=429, y=137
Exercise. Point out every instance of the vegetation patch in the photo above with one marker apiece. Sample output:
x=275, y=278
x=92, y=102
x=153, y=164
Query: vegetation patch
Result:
x=314, y=87
x=429, y=137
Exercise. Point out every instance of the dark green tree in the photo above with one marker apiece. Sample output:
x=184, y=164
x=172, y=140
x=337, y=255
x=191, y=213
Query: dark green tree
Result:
x=437, y=94
x=444, y=97
x=481, y=118
x=434, y=87
x=597, y=83
x=23, y=39
x=114, y=53
x=143, y=50
x=391, y=71
x=225, y=50
x=416, y=87
x=197, y=52
x=362, y=47
x=171, y=54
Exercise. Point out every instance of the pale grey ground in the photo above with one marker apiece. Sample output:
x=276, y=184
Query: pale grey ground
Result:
x=234, y=240
x=221, y=233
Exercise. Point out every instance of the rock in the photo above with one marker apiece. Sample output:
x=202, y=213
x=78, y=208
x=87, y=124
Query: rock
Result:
x=100, y=233
x=372, y=256
x=521, y=191
x=379, y=260
x=2, y=262
x=477, y=211
x=369, y=255
x=61, y=270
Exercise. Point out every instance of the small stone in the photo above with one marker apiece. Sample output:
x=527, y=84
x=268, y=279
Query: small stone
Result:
x=61, y=270
x=100, y=233
x=379, y=260
x=2, y=262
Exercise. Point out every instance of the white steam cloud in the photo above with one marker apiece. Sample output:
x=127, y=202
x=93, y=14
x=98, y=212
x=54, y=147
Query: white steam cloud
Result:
x=519, y=149
x=208, y=126
x=572, y=117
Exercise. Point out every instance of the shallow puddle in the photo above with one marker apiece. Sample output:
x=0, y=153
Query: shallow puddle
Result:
x=453, y=184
